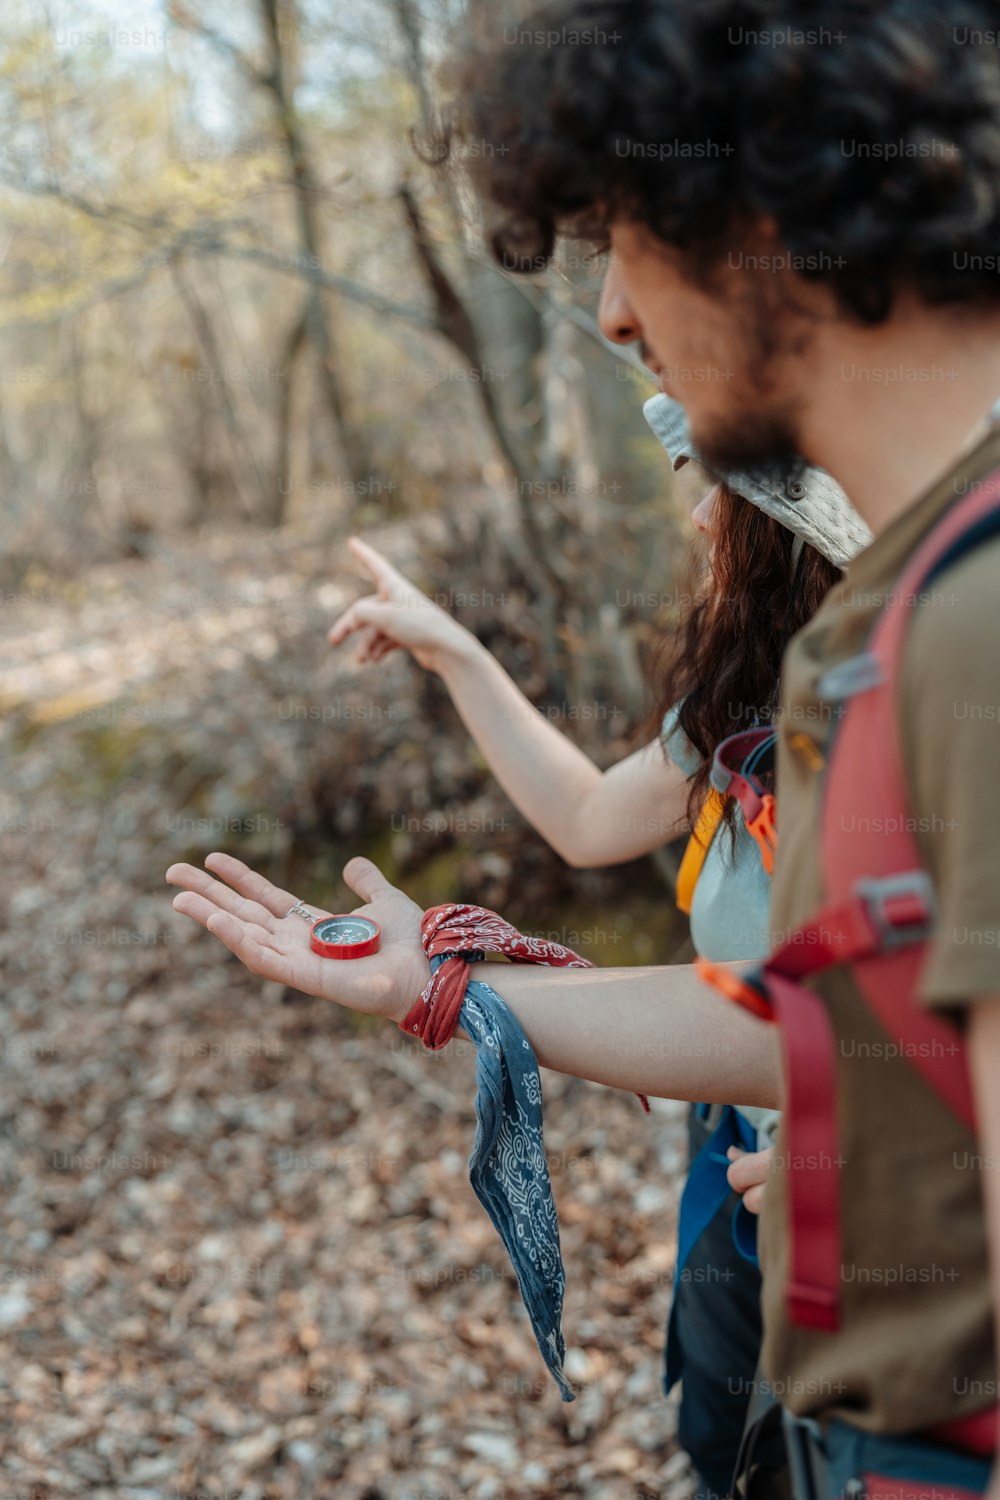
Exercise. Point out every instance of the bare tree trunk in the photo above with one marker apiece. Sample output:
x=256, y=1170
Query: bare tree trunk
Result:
x=454, y=322
x=501, y=338
x=295, y=342
x=244, y=456
x=85, y=457
x=281, y=26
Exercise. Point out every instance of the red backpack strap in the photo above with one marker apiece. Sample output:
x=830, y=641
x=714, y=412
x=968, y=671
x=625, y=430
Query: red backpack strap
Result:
x=809, y=1050
x=876, y=866
x=877, y=918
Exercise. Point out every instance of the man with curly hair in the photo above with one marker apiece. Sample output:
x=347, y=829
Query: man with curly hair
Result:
x=805, y=200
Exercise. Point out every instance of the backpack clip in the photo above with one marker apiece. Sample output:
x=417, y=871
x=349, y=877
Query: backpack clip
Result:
x=735, y=773
x=748, y=990
x=763, y=826
x=901, y=908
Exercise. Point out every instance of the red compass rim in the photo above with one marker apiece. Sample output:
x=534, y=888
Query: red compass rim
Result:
x=361, y=949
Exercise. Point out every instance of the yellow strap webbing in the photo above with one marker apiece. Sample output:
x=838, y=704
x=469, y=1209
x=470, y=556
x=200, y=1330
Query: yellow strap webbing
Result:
x=697, y=847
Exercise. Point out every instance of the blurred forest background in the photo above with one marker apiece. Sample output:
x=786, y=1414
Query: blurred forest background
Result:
x=244, y=315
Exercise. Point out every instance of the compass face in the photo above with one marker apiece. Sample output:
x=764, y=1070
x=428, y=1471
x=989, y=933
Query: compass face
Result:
x=345, y=930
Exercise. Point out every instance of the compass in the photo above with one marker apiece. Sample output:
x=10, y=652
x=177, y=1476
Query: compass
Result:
x=345, y=937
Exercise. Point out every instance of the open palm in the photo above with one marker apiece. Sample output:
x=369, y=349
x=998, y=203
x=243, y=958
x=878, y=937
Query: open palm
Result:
x=249, y=916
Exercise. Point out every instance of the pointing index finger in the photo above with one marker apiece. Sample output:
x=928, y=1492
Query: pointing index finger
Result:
x=378, y=566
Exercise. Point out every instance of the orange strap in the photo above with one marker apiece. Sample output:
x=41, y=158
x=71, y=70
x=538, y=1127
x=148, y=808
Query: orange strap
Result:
x=697, y=847
x=764, y=828
x=743, y=990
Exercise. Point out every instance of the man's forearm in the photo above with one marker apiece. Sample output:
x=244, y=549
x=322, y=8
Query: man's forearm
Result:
x=658, y=1031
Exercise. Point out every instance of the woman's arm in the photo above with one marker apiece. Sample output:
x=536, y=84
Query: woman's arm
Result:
x=655, y=1031
x=588, y=816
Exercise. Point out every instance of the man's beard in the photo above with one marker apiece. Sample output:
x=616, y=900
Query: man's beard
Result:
x=763, y=443
x=763, y=447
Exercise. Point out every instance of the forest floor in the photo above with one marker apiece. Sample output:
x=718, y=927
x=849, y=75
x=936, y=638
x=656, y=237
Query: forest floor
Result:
x=241, y=1254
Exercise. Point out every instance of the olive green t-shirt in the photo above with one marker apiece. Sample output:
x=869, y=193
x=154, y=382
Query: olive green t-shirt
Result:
x=915, y=1346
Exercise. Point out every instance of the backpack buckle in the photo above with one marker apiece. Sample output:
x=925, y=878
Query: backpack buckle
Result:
x=902, y=909
x=748, y=990
x=807, y=1461
x=763, y=826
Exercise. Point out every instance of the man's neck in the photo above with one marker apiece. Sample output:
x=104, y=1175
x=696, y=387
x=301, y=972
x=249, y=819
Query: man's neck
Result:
x=892, y=409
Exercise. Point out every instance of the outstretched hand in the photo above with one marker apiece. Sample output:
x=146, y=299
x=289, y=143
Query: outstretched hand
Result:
x=248, y=915
x=397, y=616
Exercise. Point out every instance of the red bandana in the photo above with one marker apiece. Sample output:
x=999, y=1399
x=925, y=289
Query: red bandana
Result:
x=457, y=931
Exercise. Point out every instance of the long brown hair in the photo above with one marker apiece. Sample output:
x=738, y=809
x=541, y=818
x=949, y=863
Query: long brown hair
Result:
x=722, y=663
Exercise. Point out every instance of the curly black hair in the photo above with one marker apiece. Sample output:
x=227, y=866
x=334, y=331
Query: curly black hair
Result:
x=867, y=130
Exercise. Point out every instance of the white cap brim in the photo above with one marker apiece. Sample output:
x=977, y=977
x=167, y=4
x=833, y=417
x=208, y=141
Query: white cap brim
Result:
x=821, y=515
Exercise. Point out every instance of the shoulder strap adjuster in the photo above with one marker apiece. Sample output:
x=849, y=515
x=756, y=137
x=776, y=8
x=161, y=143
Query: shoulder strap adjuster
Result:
x=858, y=674
x=901, y=908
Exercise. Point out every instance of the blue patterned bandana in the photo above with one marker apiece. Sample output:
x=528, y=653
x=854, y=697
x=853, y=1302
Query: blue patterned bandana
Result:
x=508, y=1170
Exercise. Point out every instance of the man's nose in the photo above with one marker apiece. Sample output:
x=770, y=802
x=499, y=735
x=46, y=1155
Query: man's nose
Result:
x=617, y=320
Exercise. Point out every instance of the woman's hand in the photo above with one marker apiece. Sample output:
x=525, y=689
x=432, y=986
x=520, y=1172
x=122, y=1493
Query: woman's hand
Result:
x=398, y=615
x=247, y=913
x=748, y=1175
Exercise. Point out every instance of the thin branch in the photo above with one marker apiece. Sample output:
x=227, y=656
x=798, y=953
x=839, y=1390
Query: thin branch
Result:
x=117, y=286
x=417, y=317
x=196, y=26
x=201, y=241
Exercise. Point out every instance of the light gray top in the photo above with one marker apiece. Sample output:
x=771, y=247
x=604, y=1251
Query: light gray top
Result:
x=729, y=910
x=732, y=898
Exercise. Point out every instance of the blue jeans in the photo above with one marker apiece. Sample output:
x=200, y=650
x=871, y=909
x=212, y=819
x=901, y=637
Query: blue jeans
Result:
x=714, y=1333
